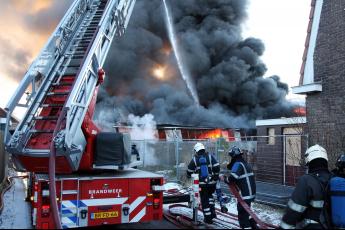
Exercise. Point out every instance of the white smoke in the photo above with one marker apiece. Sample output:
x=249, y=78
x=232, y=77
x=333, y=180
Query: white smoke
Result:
x=105, y=120
x=142, y=128
x=144, y=133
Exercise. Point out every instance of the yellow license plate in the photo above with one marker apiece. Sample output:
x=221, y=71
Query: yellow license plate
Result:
x=104, y=215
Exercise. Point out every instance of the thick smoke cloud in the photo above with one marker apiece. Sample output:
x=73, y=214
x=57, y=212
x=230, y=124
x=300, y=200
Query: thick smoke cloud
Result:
x=226, y=68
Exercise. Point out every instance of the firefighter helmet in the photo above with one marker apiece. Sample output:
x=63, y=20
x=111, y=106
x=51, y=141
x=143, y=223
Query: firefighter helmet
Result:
x=198, y=146
x=314, y=152
x=341, y=162
x=235, y=151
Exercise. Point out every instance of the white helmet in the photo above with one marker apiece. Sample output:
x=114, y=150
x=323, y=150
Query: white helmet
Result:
x=313, y=152
x=198, y=146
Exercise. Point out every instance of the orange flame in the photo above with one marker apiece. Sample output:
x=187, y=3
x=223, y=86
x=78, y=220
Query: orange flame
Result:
x=300, y=111
x=212, y=134
x=159, y=72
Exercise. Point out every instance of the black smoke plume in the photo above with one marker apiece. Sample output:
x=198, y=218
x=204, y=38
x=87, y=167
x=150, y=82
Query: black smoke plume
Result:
x=226, y=68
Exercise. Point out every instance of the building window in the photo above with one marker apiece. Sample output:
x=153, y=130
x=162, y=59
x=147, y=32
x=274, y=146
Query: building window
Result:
x=271, y=136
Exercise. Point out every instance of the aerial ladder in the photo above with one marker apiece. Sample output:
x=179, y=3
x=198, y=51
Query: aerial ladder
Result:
x=64, y=80
x=57, y=134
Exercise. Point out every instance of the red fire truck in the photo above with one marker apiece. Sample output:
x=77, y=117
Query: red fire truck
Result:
x=127, y=196
x=79, y=175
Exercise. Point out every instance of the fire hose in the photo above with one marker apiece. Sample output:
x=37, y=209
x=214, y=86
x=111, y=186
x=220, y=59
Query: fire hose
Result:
x=185, y=221
x=52, y=185
x=237, y=195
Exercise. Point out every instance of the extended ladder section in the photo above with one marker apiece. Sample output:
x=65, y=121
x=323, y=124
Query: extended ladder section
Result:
x=64, y=77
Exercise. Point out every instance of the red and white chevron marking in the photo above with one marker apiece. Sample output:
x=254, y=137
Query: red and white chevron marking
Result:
x=137, y=209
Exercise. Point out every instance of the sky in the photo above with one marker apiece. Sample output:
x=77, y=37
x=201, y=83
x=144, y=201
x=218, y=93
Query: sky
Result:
x=281, y=24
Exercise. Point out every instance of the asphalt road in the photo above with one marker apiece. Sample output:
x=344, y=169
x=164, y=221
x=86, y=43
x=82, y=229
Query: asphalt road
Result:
x=164, y=224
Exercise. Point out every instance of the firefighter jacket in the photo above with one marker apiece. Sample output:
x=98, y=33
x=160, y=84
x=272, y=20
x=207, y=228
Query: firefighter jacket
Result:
x=307, y=200
x=242, y=174
x=213, y=170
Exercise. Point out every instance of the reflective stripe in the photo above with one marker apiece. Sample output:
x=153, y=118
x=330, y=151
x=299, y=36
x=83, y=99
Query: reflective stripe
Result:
x=211, y=182
x=317, y=203
x=207, y=209
x=211, y=202
x=246, y=175
x=309, y=221
x=189, y=170
x=284, y=225
x=248, y=197
x=306, y=222
x=296, y=207
x=234, y=175
x=208, y=213
x=216, y=165
x=195, y=162
x=247, y=179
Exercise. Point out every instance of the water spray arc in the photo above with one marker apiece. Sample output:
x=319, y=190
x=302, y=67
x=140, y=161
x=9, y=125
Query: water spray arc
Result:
x=184, y=72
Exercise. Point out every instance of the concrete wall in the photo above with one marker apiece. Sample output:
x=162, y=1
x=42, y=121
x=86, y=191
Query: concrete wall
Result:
x=326, y=110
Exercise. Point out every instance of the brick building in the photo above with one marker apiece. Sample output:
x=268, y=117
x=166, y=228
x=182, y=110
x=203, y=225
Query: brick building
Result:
x=323, y=76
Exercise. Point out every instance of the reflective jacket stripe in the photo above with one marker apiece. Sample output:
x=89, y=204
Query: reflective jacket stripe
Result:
x=247, y=178
x=317, y=203
x=284, y=225
x=195, y=162
x=309, y=221
x=246, y=175
x=296, y=207
x=211, y=182
x=248, y=197
x=234, y=175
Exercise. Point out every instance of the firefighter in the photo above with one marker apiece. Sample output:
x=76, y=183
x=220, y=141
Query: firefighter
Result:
x=306, y=203
x=242, y=175
x=135, y=152
x=206, y=165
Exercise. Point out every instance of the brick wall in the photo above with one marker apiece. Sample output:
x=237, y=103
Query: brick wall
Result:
x=326, y=110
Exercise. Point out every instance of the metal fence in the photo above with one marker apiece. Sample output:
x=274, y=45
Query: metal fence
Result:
x=275, y=159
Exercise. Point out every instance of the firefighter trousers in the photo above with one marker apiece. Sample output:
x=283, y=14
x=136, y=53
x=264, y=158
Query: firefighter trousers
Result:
x=208, y=202
x=244, y=217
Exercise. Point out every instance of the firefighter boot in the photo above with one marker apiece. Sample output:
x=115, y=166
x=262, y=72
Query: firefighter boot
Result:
x=253, y=224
